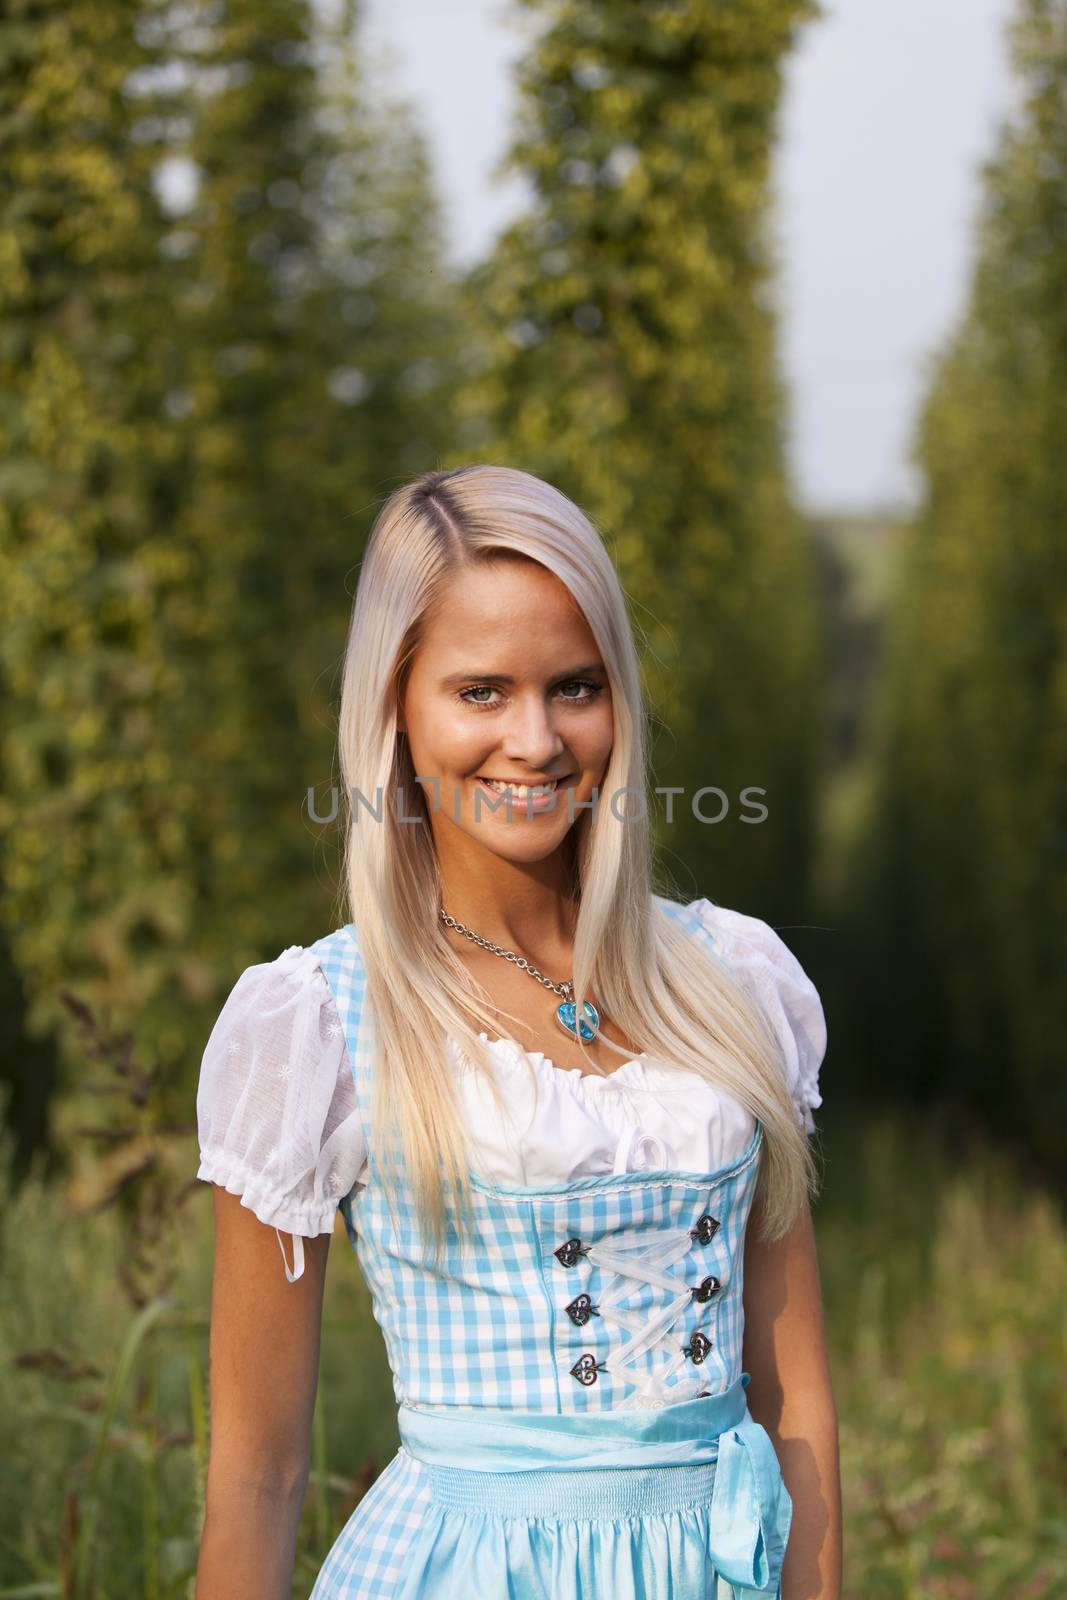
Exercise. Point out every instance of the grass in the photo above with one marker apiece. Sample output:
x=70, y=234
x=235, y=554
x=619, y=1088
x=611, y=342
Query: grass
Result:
x=946, y=1289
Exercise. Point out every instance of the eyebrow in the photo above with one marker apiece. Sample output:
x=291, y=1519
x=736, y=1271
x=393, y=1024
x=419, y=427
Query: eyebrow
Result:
x=502, y=677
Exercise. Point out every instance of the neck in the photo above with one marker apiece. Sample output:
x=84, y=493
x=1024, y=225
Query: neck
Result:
x=519, y=906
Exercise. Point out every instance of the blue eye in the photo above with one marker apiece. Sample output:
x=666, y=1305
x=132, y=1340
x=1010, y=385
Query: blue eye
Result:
x=594, y=690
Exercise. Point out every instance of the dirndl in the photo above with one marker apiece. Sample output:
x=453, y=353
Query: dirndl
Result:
x=684, y=1501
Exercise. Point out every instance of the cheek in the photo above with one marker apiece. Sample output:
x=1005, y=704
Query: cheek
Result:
x=454, y=738
x=597, y=735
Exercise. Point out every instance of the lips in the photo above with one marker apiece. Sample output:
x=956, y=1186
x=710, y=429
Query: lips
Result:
x=513, y=786
x=530, y=799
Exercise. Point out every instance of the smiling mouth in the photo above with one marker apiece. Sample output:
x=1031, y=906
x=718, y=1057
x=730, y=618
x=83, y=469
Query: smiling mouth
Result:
x=522, y=791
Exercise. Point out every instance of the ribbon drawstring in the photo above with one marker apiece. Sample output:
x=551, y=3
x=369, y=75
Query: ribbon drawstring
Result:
x=298, y=1255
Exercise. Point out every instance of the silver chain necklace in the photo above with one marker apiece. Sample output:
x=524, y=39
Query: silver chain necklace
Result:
x=588, y=1025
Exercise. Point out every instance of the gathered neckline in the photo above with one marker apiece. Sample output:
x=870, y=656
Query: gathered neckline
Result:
x=516, y=1048
x=510, y=1049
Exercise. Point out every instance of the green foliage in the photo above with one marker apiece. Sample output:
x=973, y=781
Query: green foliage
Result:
x=968, y=883
x=91, y=831
x=203, y=399
x=627, y=353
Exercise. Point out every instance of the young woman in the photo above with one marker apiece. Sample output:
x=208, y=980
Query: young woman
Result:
x=565, y=1119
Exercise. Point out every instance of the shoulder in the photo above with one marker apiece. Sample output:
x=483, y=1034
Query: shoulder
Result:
x=761, y=960
x=296, y=979
x=268, y=1004
x=297, y=969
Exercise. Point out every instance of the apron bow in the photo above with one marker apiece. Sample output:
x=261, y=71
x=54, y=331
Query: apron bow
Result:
x=751, y=1509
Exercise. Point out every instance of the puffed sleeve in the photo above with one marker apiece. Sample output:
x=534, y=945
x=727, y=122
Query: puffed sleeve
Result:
x=770, y=971
x=276, y=1106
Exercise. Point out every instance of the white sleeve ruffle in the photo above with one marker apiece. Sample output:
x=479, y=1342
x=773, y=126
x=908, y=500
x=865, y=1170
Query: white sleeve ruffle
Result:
x=276, y=1106
x=770, y=971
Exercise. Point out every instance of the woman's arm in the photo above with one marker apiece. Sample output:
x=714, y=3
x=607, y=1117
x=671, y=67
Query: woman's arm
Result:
x=265, y=1336
x=791, y=1395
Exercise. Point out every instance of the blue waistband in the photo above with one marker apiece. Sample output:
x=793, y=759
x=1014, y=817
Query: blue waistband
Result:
x=520, y=1441
x=565, y=1496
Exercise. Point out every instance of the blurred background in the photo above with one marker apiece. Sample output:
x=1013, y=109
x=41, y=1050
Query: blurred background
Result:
x=778, y=293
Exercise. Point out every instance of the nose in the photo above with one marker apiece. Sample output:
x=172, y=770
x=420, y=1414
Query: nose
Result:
x=531, y=737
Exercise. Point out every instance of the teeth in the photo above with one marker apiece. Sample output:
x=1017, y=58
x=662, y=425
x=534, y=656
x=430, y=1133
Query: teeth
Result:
x=521, y=791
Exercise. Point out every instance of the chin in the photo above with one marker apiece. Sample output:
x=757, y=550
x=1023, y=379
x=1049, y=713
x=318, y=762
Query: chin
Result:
x=521, y=852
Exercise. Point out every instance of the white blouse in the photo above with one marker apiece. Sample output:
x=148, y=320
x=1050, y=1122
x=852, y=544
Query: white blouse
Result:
x=279, y=1126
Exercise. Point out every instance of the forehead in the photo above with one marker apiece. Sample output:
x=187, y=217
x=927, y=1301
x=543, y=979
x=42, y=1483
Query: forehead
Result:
x=504, y=606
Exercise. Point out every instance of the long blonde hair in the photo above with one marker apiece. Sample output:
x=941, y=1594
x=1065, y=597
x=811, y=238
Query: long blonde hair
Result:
x=670, y=995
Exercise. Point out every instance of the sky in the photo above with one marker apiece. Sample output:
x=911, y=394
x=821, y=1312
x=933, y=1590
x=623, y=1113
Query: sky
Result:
x=889, y=108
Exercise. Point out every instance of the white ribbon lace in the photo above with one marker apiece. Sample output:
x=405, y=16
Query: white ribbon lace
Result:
x=624, y=1150
x=636, y=1259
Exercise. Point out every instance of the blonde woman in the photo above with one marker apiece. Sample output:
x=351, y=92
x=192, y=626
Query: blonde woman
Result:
x=565, y=1119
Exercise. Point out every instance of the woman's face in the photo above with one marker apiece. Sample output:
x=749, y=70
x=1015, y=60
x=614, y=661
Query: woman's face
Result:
x=508, y=685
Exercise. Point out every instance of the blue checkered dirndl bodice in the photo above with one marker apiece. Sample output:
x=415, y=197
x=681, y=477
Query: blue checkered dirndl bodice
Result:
x=572, y=1407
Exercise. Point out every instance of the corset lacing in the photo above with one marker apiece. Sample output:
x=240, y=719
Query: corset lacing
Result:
x=633, y=1257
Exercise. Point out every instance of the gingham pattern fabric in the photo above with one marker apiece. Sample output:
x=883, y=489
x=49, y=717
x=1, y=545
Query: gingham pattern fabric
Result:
x=490, y=1326
x=499, y=1323
x=366, y=1560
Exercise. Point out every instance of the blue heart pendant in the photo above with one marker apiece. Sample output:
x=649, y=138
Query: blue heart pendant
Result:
x=587, y=1028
